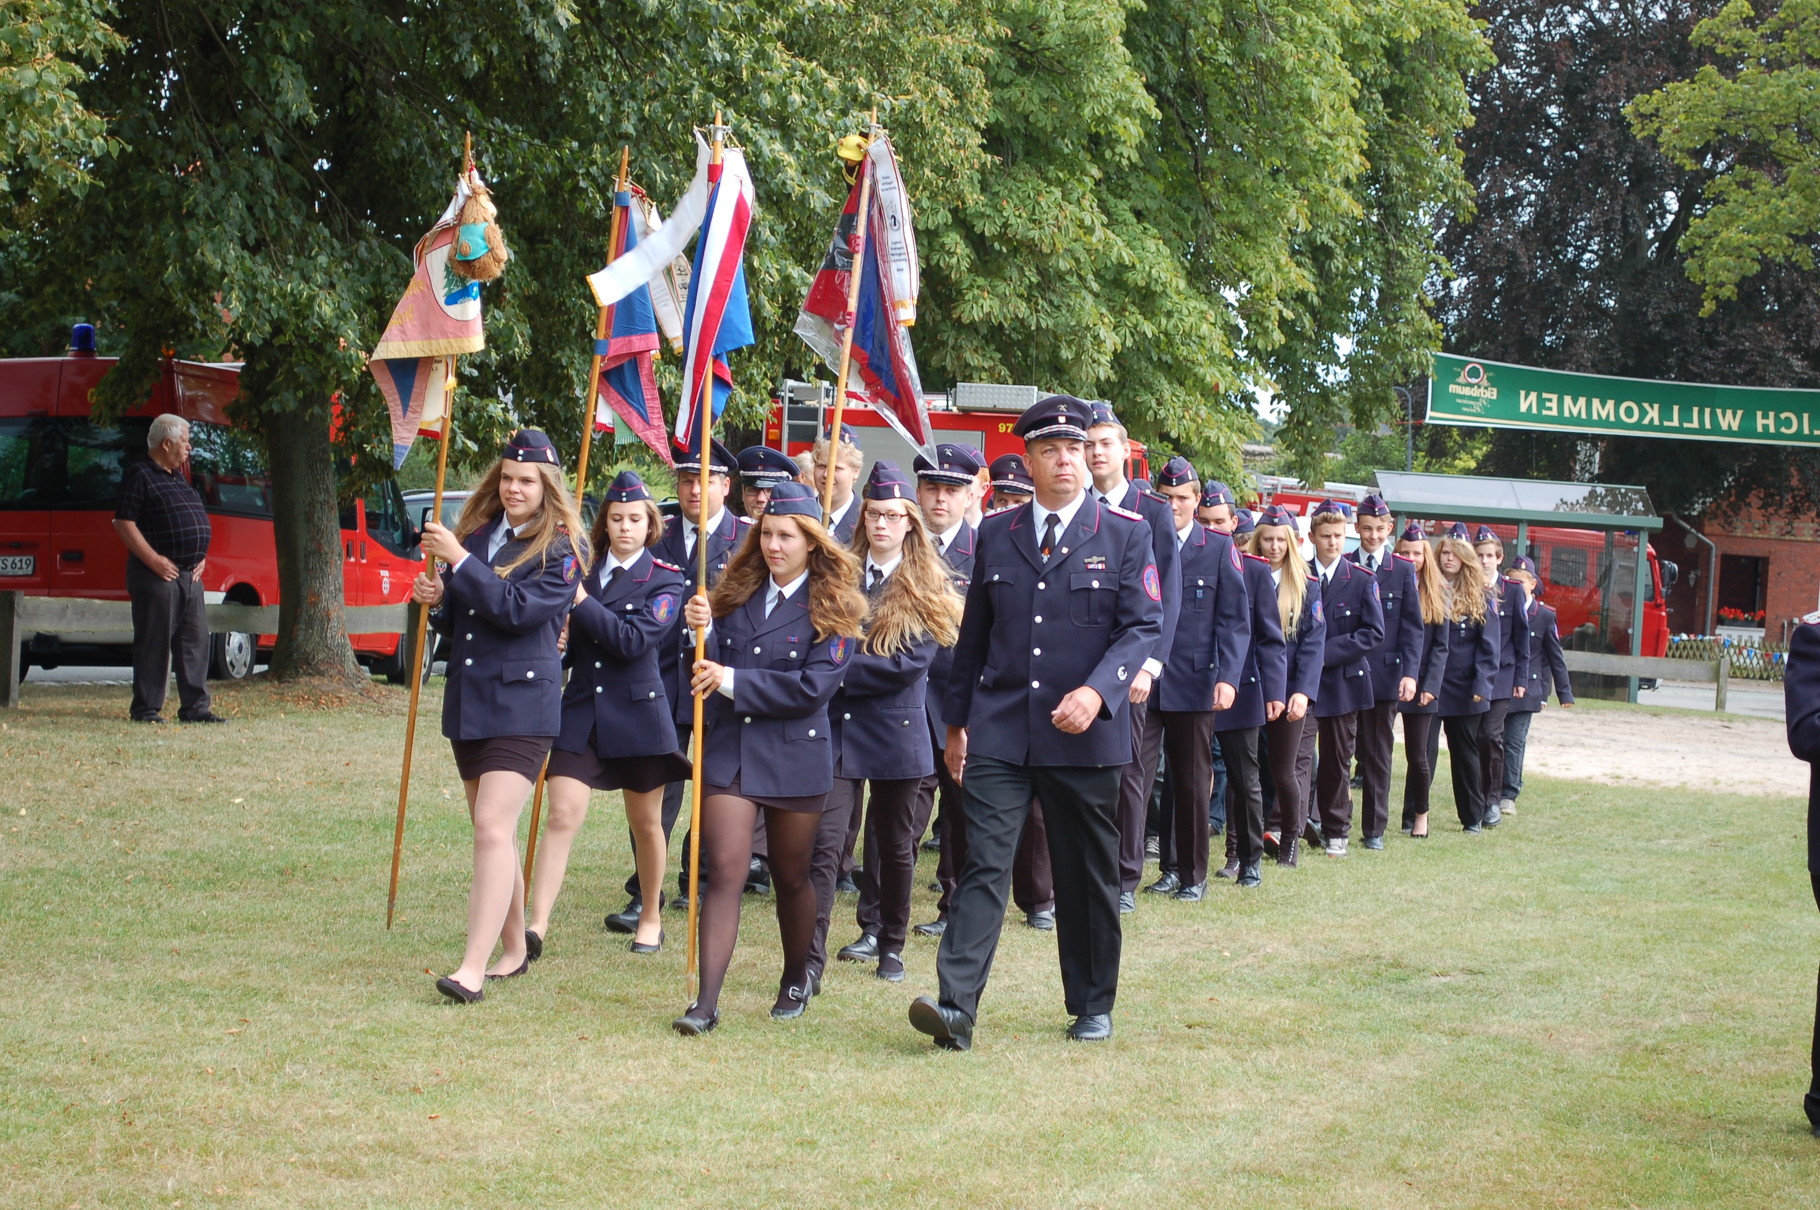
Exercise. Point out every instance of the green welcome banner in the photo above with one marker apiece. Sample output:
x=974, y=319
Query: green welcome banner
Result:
x=1496, y=394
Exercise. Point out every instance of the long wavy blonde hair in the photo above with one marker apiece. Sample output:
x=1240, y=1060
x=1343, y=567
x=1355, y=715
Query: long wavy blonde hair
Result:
x=836, y=605
x=918, y=600
x=554, y=530
x=1292, y=584
x=1431, y=590
x=1470, y=596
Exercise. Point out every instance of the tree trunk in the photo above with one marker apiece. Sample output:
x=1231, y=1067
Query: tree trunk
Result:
x=306, y=525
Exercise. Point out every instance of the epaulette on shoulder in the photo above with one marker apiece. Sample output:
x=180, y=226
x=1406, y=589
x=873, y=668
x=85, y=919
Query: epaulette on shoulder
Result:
x=666, y=566
x=1811, y=619
x=744, y=520
x=1124, y=512
x=1257, y=558
x=1159, y=497
x=1405, y=558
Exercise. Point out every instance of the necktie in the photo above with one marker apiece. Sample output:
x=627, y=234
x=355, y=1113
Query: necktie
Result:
x=689, y=543
x=941, y=548
x=613, y=576
x=878, y=577
x=1049, y=535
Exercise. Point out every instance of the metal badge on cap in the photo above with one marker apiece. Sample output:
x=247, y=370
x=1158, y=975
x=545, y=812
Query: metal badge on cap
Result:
x=1216, y=494
x=762, y=466
x=1276, y=514
x=1177, y=472
x=1373, y=506
x=793, y=499
x=955, y=464
x=886, y=482
x=627, y=487
x=531, y=445
x=1055, y=416
x=1485, y=534
x=1009, y=474
x=1456, y=531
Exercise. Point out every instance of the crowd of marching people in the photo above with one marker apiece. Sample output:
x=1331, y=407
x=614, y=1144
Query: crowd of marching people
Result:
x=878, y=666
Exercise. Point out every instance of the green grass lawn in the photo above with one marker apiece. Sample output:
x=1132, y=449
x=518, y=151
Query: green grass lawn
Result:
x=1605, y=1002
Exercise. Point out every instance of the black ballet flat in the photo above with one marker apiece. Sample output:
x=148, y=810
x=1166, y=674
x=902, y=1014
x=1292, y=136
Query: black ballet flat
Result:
x=694, y=1023
x=522, y=968
x=533, y=946
x=799, y=1004
x=639, y=947
x=458, y=993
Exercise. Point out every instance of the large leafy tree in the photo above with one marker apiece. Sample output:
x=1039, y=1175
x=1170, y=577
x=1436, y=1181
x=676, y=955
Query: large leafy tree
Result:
x=1575, y=258
x=49, y=140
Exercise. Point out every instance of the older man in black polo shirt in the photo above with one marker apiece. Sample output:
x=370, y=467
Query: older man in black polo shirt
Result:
x=165, y=529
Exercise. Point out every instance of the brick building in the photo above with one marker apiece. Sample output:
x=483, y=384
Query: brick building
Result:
x=1769, y=563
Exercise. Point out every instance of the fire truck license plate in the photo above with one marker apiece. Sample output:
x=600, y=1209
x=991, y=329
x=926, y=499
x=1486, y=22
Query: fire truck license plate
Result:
x=18, y=565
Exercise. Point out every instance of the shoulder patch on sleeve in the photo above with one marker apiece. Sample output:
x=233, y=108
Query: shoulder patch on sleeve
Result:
x=1124, y=512
x=1319, y=614
x=838, y=647
x=1236, y=563
x=1153, y=586
x=571, y=567
x=663, y=606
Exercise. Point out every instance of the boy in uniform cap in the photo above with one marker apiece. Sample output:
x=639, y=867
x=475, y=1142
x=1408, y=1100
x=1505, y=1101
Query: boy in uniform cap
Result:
x=762, y=468
x=1513, y=664
x=1108, y=454
x=843, y=512
x=1011, y=483
x=1394, y=663
x=1355, y=628
x=1065, y=605
x=677, y=548
x=1201, y=675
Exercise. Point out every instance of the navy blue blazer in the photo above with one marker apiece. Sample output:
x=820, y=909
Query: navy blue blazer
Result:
x=1213, y=629
x=1307, y=646
x=1266, y=675
x=1400, y=652
x=616, y=682
x=505, y=672
x=848, y=525
x=1034, y=632
x=1547, y=666
x=1431, y=668
x=1472, y=665
x=880, y=723
x=677, y=655
x=1355, y=628
x=1156, y=510
x=774, y=734
x=1801, y=701
x=960, y=560
x=1513, y=642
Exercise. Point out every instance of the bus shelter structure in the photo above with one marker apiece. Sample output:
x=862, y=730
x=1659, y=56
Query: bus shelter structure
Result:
x=1603, y=507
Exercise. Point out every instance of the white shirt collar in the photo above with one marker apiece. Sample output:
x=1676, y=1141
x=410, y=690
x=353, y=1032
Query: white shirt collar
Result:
x=773, y=591
x=502, y=533
x=1326, y=570
x=1373, y=561
x=840, y=514
x=883, y=568
x=611, y=561
x=946, y=537
x=1181, y=535
x=1276, y=576
x=713, y=525
x=1064, y=515
x=1118, y=492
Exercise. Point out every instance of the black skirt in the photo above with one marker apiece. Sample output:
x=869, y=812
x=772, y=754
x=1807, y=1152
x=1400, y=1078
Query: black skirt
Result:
x=638, y=774
x=522, y=754
x=808, y=804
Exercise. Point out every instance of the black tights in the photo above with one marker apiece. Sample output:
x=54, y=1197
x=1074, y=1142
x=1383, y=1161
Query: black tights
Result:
x=726, y=851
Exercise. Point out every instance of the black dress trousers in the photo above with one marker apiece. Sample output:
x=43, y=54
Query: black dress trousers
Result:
x=1377, y=747
x=1080, y=805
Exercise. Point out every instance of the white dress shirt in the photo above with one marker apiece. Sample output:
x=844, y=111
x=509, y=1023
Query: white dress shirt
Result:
x=496, y=540
x=774, y=593
x=612, y=561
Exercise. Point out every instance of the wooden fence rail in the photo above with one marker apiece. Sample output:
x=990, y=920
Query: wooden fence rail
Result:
x=1718, y=671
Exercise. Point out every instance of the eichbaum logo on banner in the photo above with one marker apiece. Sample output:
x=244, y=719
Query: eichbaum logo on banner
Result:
x=1472, y=390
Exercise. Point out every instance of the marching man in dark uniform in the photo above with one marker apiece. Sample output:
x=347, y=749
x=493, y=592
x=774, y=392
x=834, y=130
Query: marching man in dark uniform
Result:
x=761, y=468
x=1065, y=605
x=1801, y=690
x=1394, y=663
x=1200, y=677
x=677, y=548
x=1108, y=454
x=1355, y=628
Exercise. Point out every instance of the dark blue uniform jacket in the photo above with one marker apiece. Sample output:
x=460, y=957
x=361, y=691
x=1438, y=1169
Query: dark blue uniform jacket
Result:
x=1400, y=652
x=1547, y=666
x=1472, y=664
x=1513, y=639
x=1355, y=628
x=677, y=655
x=879, y=716
x=1213, y=629
x=1308, y=645
x=1266, y=675
x=960, y=558
x=616, y=684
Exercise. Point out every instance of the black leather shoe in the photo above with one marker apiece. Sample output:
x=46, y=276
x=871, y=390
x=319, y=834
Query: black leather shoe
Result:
x=1168, y=884
x=792, y=1004
x=458, y=993
x=758, y=877
x=863, y=950
x=639, y=947
x=1373, y=842
x=815, y=983
x=846, y=886
x=533, y=946
x=679, y=902
x=1229, y=870
x=932, y=845
x=522, y=968
x=1127, y=902
x=695, y=1022
x=207, y=716
x=1473, y=829
x=951, y=1028
x=934, y=928
x=1311, y=834
x=890, y=968
x=1286, y=856
x=1251, y=876
x=1095, y=1027
x=625, y=920
x=1191, y=894
x=1042, y=920
x=149, y=718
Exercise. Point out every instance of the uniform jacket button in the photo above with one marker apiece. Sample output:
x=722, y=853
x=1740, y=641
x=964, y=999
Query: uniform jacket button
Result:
x=1036, y=651
x=470, y=613
x=598, y=689
x=906, y=722
x=1036, y=684
x=847, y=718
x=1040, y=584
x=1038, y=619
x=748, y=718
x=529, y=673
x=468, y=636
x=812, y=733
x=756, y=650
x=467, y=662
x=597, y=663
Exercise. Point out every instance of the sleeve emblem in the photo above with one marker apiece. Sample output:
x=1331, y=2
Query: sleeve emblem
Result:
x=1153, y=587
x=663, y=606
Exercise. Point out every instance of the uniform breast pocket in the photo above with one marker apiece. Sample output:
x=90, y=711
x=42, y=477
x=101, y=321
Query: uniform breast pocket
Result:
x=1090, y=597
x=530, y=672
x=1197, y=594
x=644, y=691
x=805, y=730
x=1001, y=583
x=785, y=657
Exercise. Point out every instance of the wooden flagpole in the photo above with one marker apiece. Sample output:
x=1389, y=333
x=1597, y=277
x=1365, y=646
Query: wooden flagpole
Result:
x=603, y=327
x=703, y=441
x=846, y=340
x=423, y=613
